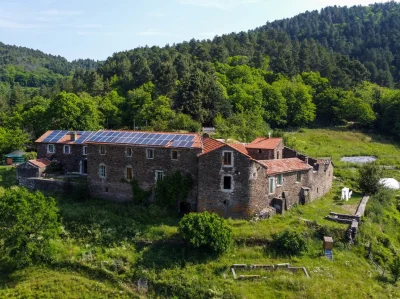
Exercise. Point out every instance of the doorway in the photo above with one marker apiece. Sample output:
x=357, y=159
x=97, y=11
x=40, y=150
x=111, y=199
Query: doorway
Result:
x=83, y=167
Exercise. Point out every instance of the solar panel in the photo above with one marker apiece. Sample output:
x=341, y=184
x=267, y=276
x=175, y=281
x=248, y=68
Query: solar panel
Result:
x=52, y=134
x=189, y=144
x=84, y=136
x=55, y=136
x=164, y=142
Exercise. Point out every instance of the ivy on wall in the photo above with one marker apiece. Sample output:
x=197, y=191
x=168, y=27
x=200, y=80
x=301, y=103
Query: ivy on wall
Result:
x=174, y=188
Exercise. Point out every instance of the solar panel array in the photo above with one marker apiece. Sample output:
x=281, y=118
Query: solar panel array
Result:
x=141, y=138
x=55, y=136
x=134, y=138
x=84, y=136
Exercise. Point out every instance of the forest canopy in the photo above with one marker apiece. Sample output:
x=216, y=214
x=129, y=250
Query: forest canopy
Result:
x=322, y=67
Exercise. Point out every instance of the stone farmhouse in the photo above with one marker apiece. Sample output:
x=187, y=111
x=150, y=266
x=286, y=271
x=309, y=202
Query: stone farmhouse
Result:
x=231, y=179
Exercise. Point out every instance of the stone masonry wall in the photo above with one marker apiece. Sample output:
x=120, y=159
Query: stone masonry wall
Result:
x=212, y=197
x=70, y=162
x=258, y=189
x=115, y=186
x=267, y=154
x=26, y=170
x=290, y=187
x=321, y=180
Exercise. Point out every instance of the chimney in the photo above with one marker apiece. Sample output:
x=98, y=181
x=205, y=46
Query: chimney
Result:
x=306, y=160
x=269, y=135
x=73, y=136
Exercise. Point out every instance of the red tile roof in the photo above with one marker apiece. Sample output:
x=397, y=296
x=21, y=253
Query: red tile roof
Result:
x=210, y=145
x=264, y=143
x=40, y=162
x=284, y=165
x=240, y=148
x=41, y=138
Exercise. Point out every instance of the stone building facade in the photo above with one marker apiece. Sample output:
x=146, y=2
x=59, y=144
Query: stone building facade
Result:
x=231, y=179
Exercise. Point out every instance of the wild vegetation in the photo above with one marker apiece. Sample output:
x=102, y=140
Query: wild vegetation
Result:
x=336, y=66
x=114, y=249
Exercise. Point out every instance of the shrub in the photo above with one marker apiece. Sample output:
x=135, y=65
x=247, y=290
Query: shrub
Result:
x=30, y=156
x=395, y=268
x=206, y=230
x=368, y=178
x=28, y=222
x=289, y=243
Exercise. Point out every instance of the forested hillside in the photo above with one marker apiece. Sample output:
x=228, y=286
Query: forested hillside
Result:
x=329, y=67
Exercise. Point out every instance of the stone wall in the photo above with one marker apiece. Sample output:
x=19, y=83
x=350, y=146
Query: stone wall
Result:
x=264, y=154
x=115, y=186
x=212, y=197
x=45, y=185
x=69, y=162
x=320, y=180
x=27, y=170
x=290, y=191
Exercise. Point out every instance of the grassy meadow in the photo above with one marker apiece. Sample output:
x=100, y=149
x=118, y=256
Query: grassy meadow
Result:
x=105, y=248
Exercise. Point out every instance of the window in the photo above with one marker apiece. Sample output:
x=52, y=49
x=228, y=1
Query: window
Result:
x=174, y=155
x=159, y=175
x=298, y=179
x=84, y=150
x=279, y=179
x=128, y=152
x=102, y=171
x=271, y=185
x=278, y=155
x=51, y=149
x=227, y=158
x=259, y=151
x=227, y=183
x=102, y=150
x=129, y=173
x=67, y=149
x=150, y=154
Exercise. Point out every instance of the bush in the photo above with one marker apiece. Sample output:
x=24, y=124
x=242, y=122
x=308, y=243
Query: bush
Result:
x=395, y=268
x=30, y=156
x=289, y=243
x=28, y=221
x=368, y=178
x=206, y=230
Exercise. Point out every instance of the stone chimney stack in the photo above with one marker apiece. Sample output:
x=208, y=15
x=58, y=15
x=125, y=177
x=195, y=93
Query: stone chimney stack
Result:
x=73, y=136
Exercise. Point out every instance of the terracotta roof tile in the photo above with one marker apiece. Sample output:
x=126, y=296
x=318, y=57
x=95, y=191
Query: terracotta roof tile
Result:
x=40, y=162
x=41, y=138
x=210, y=145
x=284, y=165
x=240, y=148
x=264, y=143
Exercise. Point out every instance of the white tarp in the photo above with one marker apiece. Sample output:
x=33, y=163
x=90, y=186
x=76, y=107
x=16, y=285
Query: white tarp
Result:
x=390, y=183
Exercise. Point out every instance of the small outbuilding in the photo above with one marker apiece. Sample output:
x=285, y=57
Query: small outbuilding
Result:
x=15, y=157
x=32, y=168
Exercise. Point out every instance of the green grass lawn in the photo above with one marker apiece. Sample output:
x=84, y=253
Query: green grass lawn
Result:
x=106, y=247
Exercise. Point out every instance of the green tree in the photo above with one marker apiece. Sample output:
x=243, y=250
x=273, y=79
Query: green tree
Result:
x=206, y=230
x=28, y=221
x=368, y=178
x=70, y=112
x=12, y=139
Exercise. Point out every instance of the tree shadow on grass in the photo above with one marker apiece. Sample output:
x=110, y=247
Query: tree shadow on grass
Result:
x=164, y=255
